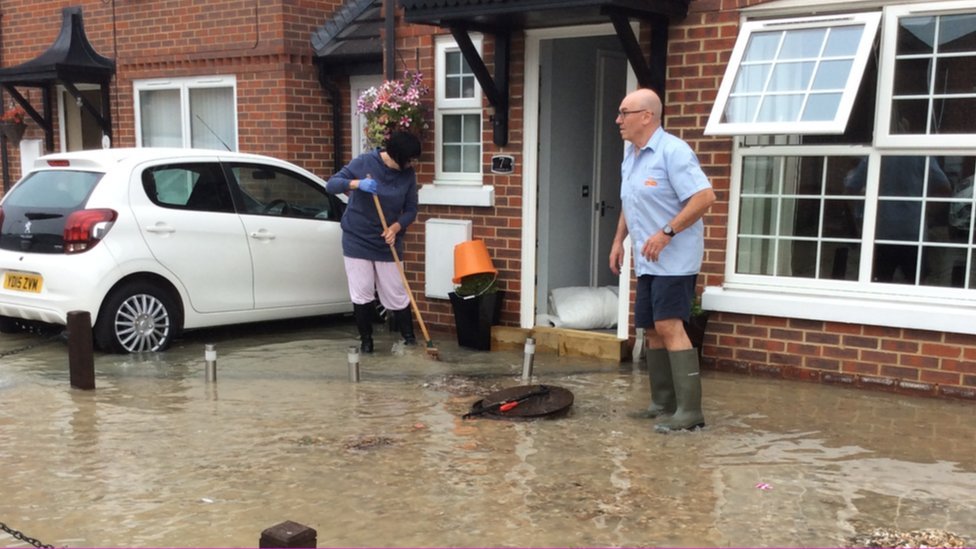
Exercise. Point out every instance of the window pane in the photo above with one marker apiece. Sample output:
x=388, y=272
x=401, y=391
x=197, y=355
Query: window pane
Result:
x=159, y=115
x=467, y=86
x=452, y=87
x=751, y=78
x=956, y=75
x=452, y=128
x=472, y=128
x=780, y=108
x=754, y=256
x=740, y=109
x=756, y=216
x=841, y=218
x=762, y=46
x=800, y=217
x=471, y=160
x=839, y=261
x=833, y=75
x=212, y=123
x=916, y=35
x=802, y=44
x=945, y=267
x=451, y=158
x=895, y=264
x=792, y=76
x=957, y=33
x=810, y=171
x=799, y=259
x=912, y=76
x=452, y=62
x=955, y=116
x=757, y=175
x=822, y=106
x=843, y=41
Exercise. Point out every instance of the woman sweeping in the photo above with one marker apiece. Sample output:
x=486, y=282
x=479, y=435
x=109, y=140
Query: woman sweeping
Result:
x=366, y=246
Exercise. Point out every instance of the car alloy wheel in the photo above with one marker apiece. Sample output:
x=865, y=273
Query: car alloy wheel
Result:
x=137, y=317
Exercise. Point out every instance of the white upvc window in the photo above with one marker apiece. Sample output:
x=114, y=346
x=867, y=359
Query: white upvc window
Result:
x=867, y=226
x=788, y=76
x=196, y=112
x=458, y=111
x=927, y=95
x=458, y=177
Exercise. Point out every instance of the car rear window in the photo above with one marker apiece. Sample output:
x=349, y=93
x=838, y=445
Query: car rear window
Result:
x=53, y=189
x=35, y=210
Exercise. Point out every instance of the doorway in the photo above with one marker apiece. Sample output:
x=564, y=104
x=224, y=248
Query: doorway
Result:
x=582, y=76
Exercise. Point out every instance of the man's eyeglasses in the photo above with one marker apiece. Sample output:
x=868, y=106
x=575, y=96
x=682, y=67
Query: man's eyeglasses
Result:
x=623, y=114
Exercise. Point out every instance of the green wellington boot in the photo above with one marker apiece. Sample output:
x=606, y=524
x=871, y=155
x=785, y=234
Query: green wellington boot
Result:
x=662, y=387
x=687, y=385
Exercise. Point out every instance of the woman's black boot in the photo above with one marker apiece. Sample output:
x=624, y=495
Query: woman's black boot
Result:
x=405, y=324
x=364, y=323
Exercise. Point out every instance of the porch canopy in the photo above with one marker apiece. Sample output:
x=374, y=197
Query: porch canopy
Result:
x=502, y=17
x=69, y=61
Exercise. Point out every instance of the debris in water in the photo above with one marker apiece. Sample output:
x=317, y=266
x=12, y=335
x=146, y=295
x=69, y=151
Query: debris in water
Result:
x=367, y=442
x=929, y=537
x=764, y=486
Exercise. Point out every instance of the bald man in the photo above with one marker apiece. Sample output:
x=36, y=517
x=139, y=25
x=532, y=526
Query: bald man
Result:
x=664, y=193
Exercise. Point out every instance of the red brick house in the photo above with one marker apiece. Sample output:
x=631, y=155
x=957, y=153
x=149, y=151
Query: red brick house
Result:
x=801, y=113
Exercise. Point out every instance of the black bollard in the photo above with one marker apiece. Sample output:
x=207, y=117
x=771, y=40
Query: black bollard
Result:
x=81, y=358
x=288, y=534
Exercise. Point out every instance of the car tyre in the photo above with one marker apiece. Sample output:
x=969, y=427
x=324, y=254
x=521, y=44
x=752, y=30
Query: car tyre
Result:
x=137, y=317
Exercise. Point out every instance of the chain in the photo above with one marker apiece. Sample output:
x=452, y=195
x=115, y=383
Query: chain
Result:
x=22, y=537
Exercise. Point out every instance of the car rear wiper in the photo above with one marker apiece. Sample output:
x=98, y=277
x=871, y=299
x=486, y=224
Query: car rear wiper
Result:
x=34, y=216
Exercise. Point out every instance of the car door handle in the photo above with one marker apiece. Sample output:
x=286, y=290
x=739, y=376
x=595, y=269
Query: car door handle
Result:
x=262, y=235
x=160, y=228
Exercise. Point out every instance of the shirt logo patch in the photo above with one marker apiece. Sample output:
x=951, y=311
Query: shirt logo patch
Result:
x=650, y=182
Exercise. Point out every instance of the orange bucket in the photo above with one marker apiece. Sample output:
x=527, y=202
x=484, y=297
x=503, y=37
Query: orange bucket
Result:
x=471, y=257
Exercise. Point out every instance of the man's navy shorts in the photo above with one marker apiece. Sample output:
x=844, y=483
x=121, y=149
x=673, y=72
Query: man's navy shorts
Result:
x=663, y=297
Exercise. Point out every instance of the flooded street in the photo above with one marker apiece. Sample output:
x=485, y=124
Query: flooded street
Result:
x=158, y=457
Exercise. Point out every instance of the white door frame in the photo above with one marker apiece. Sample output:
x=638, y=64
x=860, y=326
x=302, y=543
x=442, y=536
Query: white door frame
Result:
x=530, y=165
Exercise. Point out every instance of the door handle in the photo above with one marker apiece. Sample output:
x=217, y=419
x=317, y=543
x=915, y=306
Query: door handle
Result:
x=160, y=228
x=262, y=235
x=604, y=207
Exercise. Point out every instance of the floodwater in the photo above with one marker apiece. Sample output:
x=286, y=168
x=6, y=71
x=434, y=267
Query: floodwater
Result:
x=158, y=457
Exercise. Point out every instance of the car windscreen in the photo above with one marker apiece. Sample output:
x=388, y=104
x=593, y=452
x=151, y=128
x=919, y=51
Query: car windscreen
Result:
x=35, y=210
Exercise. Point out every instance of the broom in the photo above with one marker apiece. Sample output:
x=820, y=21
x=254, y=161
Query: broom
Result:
x=432, y=351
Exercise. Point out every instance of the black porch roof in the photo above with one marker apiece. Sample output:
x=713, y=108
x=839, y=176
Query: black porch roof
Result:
x=530, y=14
x=71, y=58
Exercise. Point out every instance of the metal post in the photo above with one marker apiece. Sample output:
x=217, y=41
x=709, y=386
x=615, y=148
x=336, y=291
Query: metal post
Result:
x=81, y=357
x=529, y=357
x=288, y=534
x=210, y=357
x=352, y=354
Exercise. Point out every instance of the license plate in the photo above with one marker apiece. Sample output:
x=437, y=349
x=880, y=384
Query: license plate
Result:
x=22, y=282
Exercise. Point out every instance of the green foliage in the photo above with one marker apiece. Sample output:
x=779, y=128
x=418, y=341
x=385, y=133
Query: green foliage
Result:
x=477, y=284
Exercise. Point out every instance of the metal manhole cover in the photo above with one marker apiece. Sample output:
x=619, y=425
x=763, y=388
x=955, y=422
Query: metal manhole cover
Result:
x=523, y=402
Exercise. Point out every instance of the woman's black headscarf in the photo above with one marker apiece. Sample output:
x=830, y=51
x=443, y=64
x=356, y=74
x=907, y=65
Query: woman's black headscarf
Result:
x=403, y=147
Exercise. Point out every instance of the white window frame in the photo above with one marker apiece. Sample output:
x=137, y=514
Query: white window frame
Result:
x=861, y=301
x=455, y=188
x=886, y=74
x=184, y=85
x=869, y=20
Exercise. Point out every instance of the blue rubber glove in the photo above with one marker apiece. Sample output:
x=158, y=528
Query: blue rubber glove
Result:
x=368, y=185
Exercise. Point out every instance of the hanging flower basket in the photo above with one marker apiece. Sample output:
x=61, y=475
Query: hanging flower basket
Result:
x=396, y=105
x=12, y=123
x=13, y=131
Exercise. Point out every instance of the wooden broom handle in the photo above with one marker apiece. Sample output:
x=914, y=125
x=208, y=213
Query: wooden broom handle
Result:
x=403, y=276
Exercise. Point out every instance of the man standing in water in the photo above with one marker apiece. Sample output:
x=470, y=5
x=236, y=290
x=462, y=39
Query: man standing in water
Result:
x=664, y=194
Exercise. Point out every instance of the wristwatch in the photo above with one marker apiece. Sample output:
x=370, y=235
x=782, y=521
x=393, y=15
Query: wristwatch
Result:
x=668, y=230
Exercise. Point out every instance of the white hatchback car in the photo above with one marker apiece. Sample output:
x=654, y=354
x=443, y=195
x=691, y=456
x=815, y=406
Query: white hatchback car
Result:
x=152, y=241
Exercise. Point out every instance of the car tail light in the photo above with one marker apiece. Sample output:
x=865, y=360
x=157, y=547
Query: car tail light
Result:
x=84, y=228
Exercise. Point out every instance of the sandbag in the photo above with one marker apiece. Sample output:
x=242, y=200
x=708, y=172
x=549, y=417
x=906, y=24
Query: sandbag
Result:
x=584, y=308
